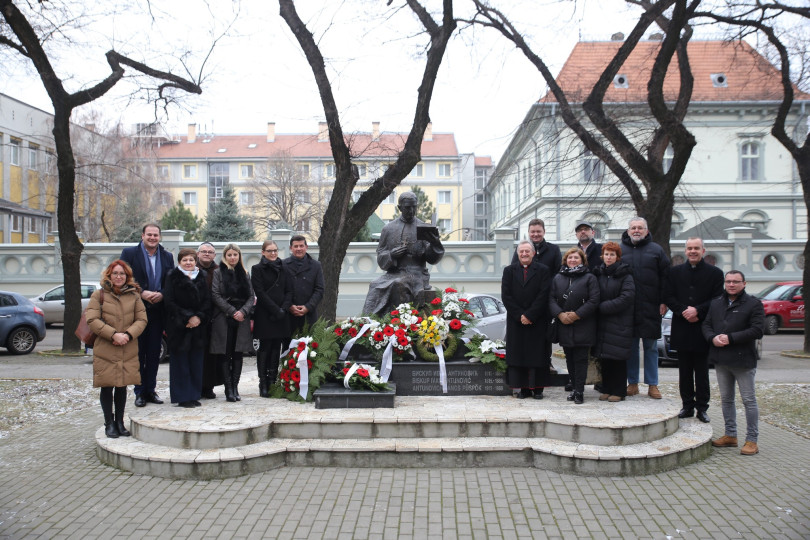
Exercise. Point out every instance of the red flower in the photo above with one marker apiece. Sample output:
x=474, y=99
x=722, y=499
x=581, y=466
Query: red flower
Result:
x=403, y=341
x=414, y=328
x=314, y=344
x=464, y=300
x=395, y=321
x=400, y=333
x=285, y=375
x=470, y=313
x=338, y=331
x=500, y=355
x=436, y=301
x=414, y=312
x=345, y=370
x=450, y=290
x=436, y=312
x=388, y=331
x=291, y=363
x=301, y=345
x=395, y=313
x=455, y=324
x=352, y=331
x=379, y=336
x=287, y=389
x=309, y=363
x=295, y=376
x=418, y=320
x=362, y=372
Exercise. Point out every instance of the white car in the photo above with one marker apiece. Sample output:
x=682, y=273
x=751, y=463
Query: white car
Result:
x=490, y=314
x=52, y=302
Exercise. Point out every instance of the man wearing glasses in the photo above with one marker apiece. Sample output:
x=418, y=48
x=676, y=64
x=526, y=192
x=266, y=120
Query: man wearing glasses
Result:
x=212, y=376
x=734, y=323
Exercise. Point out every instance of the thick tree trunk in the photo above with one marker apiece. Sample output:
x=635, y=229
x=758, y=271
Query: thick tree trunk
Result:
x=802, y=159
x=658, y=213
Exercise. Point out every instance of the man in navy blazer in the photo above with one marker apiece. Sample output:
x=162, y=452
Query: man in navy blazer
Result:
x=150, y=263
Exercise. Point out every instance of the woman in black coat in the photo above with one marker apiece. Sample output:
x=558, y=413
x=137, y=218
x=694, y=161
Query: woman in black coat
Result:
x=187, y=304
x=614, y=336
x=524, y=291
x=574, y=302
x=273, y=290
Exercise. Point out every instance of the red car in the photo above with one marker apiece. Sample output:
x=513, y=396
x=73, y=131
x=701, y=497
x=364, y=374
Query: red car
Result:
x=784, y=306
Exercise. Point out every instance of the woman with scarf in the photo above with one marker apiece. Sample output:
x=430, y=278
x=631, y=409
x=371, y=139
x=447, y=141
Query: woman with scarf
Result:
x=232, y=296
x=117, y=316
x=573, y=303
x=188, y=305
x=273, y=290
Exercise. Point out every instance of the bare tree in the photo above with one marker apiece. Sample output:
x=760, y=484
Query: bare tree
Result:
x=637, y=164
x=19, y=36
x=341, y=222
x=284, y=194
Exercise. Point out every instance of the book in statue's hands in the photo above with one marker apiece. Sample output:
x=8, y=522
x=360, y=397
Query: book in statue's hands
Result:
x=426, y=232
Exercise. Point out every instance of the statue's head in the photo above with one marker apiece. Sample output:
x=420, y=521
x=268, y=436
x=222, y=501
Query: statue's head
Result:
x=407, y=206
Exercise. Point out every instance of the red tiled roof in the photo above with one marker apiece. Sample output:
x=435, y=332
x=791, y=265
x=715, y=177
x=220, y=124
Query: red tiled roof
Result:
x=483, y=161
x=300, y=146
x=750, y=76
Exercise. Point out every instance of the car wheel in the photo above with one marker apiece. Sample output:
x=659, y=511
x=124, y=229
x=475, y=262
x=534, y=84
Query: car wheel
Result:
x=21, y=341
x=771, y=325
x=164, y=350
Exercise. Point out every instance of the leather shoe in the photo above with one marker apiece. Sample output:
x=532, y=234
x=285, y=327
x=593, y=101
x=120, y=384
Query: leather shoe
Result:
x=632, y=389
x=703, y=417
x=538, y=394
x=653, y=392
x=154, y=398
x=603, y=397
x=187, y=404
x=749, y=448
x=686, y=413
x=569, y=386
x=197, y=403
x=519, y=395
x=725, y=442
x=570, y=397
x=139, y=401
x=615, y=399
x=209, y=394
x=579, y=399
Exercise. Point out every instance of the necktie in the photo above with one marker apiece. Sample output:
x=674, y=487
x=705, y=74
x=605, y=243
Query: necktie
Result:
x=525, y=273
x=150, y=272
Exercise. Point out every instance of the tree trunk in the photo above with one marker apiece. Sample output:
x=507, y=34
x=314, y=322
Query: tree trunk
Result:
x=658, y=213
x=802, y=159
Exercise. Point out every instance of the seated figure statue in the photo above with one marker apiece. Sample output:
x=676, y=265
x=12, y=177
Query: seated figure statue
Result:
x=404, y=258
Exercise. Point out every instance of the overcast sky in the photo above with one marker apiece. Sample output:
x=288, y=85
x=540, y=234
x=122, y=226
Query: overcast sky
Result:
x=258, y=74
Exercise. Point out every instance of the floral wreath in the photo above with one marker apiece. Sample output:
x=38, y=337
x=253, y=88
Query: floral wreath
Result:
x=487, y=351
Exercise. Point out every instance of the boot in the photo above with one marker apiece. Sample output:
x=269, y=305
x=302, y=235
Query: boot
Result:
x=272, y=368
x=226, y=380
x=119, y=423
x=236, y=375
x=579, y=399
x=110, y=429
x=261, y=364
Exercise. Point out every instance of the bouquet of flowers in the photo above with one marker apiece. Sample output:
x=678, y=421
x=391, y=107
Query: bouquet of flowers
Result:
x=435, y=331
x=361, y=377
x=318, y=347
x=349, y=328
x=487, y=351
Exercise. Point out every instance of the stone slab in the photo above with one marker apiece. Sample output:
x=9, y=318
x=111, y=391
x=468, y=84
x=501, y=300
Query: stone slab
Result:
x=336, y=396
x=463, y=379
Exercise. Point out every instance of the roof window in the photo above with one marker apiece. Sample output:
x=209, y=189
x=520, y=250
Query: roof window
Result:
x=620, y=81
x=221, y=150
x=252, y=145
x=719, y=80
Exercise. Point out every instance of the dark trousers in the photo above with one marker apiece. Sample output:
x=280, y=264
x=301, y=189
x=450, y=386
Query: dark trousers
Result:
x=614, y=377
x=271, y=347
x=185, y=375
x=149, y=355
x=211, y=374
x=693, y=379
x=576, y=359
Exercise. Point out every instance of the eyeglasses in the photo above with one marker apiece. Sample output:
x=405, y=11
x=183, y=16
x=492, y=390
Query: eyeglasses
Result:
x=118, y=274
x=271, y=251
x=733, y=282
x=208, y=252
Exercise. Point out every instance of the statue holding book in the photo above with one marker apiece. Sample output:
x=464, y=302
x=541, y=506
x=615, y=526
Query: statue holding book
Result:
x=406, y=246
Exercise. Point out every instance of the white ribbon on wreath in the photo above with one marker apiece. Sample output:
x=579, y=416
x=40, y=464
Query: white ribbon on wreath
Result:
x=349, y=344
x=442, y=368
x=387, y=363
x=352, y=371
x=302, y=364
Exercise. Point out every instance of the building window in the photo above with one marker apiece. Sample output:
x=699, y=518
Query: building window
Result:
x=480, y=204
x=302, y=197
x=599, y=221
x=445, y=225
x=669, y=154
x=33, y=225
x=162, y=171
x=417, y=172
x=444, y=197
x=756, y=219
x=480, y=179
x=593, y=168
x=770, y=262
x=750, y=167
x=304, y=168
x=302, y=225
x=32, y=156
x=15, y=151
x=218, y=178
x=164, y=199
x=246, y=170
x=329, y=170
x=391, y=199
x=362, y=170
x=246, y=198
x=444, y=170
x=190, y=171
x=16, y=223
x=190, y=198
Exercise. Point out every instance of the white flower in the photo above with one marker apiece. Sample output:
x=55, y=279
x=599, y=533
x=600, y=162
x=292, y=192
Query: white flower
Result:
x=312, y=354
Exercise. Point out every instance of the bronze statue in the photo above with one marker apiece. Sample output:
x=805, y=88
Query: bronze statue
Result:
x=406, y=245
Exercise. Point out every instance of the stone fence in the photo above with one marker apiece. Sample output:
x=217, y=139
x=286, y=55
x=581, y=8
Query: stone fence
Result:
x=31, y=269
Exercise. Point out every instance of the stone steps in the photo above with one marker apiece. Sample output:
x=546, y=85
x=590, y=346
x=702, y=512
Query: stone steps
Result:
x=220, y=439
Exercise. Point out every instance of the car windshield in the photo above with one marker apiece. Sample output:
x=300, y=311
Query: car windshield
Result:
x=777, y=292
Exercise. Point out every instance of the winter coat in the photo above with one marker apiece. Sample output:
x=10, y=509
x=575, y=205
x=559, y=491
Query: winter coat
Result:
x=115, y=365
x=134, y=257
x=594, y=255
x=582, y=292
x=743, y=322
x=617, y=293
x=545, y=253
x=650, y=265
x=526, y=343
x=231, y=291
x=695, y=287
x=273, y=289
x=306, y=277
x=185, y=298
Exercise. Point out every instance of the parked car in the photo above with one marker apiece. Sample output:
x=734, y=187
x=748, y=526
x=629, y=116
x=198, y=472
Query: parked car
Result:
x=52, y=302
x=490, y=314
x=22, y=324
x=665, y=351
x=784, y=306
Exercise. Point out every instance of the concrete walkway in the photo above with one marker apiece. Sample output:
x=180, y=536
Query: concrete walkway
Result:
x=53, y=486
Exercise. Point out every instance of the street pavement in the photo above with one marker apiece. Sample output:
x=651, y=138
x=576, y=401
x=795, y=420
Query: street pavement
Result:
x=53, y=486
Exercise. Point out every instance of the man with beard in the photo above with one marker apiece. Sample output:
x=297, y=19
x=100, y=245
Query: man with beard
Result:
x=593, y=249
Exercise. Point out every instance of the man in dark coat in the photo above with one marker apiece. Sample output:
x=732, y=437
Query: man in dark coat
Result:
x=544, y=252
x=306, y=276
x=212, y=375
x=734, y=323
x=691, y=288
x=524, y=291
x=650, y=265
x=592, y=248
x=150, y=263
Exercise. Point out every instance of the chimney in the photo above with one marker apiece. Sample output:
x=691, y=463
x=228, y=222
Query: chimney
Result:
x=375, y=131
x=271, y=132
x=323, y=132
x=657, y=36
x=428, y=132
x=192, y=133
x=618, y=36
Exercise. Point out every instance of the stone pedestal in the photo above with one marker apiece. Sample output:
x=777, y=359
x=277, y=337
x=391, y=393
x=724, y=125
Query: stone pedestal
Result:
x=336, y=396
x=463, y=379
